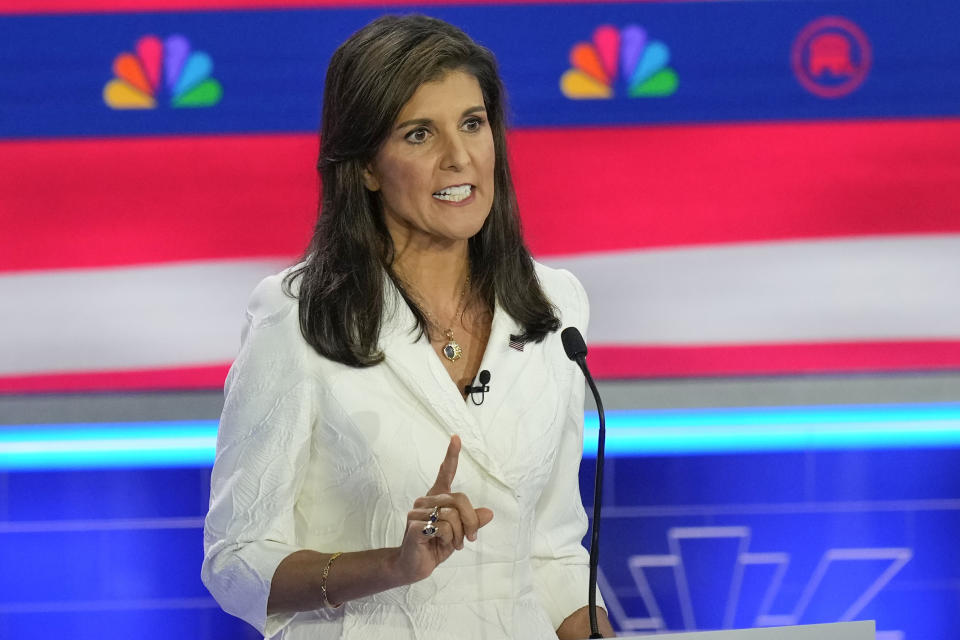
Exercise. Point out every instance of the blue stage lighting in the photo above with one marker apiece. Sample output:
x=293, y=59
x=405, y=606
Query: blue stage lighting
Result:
x=773, y=429
x=629, y=433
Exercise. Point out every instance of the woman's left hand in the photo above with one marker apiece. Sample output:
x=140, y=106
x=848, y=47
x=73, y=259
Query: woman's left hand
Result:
x=420, y=552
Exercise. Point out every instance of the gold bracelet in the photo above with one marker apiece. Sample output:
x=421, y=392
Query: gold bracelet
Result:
x=323, y=582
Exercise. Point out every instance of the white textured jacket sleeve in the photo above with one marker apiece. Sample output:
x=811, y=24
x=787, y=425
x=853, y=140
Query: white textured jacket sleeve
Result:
x=561, y=565
x=262, y=449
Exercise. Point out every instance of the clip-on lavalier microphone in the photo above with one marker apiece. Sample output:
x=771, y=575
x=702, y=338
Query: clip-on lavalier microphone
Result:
x=481, y=389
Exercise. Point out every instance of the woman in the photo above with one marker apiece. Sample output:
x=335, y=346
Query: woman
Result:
x=349, y=387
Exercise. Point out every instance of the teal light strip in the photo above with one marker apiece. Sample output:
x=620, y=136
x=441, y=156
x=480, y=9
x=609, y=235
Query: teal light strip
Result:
x=108, y=445
x=775, y=429
x=629, y=433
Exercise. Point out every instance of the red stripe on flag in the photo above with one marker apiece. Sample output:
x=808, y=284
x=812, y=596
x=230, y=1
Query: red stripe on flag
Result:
x=88, y=203
x=606, y=362
x=202, y=377
x=601, y=190
x=632, y=361
x=96, y=203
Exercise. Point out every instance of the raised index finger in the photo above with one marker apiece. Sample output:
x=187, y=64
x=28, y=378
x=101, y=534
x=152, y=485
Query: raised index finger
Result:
x=448, y=469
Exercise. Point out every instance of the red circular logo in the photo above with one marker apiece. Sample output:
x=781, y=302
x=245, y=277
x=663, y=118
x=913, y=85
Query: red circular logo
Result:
x=831, y=57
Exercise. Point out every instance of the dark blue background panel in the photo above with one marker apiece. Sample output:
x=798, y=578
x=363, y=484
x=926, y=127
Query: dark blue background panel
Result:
x=732, y=61
x=796, y=537
x=107, y=494
x=181, y=620
x=788, y=538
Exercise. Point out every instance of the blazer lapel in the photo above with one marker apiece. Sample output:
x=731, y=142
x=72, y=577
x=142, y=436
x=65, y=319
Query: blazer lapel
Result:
x=419, y=369
x=505, y=358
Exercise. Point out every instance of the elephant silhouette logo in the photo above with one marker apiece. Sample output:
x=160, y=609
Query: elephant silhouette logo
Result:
x=831, y=57
x=830, y=52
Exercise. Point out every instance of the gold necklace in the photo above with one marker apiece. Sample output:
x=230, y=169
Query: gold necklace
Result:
x=452, y=351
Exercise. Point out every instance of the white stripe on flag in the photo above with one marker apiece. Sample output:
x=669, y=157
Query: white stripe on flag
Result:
x=872, y=288
x=126, y=318
x=877, y=288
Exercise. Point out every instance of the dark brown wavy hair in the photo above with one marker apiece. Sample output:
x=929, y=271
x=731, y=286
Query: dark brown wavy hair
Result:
x=341, y=281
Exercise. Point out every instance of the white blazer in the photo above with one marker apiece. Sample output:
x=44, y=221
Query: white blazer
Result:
x=313, y=454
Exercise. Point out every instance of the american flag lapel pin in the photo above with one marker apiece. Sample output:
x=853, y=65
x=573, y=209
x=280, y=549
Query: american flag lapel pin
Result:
x=516, y=342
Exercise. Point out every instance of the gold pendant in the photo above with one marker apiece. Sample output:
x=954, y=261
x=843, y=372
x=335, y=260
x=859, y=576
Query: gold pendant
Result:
x=451, y=351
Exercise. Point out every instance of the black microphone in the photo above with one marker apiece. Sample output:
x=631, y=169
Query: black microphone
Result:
x=481, y=389
x=576, y=350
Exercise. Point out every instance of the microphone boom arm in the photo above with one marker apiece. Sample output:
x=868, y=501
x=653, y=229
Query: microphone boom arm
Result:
x=597, y=493
x=576, y=350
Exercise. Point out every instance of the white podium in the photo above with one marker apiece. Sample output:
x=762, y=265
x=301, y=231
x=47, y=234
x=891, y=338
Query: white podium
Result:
x=863, y=630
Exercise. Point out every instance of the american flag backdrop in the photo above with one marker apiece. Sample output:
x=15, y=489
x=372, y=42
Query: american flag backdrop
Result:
x=744, y=188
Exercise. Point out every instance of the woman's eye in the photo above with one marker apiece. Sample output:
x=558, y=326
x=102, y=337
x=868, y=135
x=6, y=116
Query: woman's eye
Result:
x=417, y=136
x=473, y=124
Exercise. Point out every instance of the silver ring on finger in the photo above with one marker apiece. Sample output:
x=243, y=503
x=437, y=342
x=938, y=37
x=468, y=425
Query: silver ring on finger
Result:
x=430, y=530
x=434, y=515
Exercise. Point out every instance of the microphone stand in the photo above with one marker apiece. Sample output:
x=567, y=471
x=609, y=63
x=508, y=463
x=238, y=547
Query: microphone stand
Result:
x=597, y=493
x=576, y=350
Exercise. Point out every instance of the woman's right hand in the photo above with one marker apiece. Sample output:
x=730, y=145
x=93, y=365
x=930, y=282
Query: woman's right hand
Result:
x=421, y=553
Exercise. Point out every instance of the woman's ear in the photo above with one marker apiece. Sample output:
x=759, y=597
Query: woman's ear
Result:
x=370, y=180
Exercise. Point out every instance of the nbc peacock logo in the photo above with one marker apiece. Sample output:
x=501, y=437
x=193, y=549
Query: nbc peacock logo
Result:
x=629, y=54
x=162, y=68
